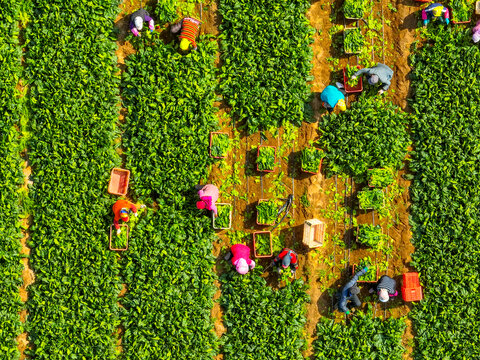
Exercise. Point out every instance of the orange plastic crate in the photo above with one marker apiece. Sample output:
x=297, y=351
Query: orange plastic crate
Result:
x=411, y=280
x=412, y=294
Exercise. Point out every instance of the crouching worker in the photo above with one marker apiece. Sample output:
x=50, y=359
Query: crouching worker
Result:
x=286, y=258
x=348, y=297
x=188, y=29
x=239, y=254
x=137, y=19
x=122, y=210
x=436, y=12
x=476, y=32
x=379, y=73
x=332, y=97
x=385, y=288
x=208, y=195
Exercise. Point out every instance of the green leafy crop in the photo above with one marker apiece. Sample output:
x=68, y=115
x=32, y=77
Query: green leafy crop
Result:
x=220, y=145
x=371, y=199
x=222, y=221
x=266, y=61
x=462, y=10
x=380, y=177
x=266, y=158
x=267, y=212
x=311, y=159
x=262, y=244
x=355, y=9
x=353, y=41
x=371, y=274
x=371, y=235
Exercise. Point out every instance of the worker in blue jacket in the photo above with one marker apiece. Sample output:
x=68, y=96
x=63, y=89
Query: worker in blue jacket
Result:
x=348, y=297
x=379, y=73
x=332, y=97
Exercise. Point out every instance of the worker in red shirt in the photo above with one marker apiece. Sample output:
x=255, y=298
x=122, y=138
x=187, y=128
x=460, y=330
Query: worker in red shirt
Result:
x=240, y=257
x=122, y=210
x=286, y=258
x=188, y=29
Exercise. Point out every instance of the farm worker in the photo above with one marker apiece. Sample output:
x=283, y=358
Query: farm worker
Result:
x=122, y=210
x=385, y=288
x=208, y=197
x=240, y=257
x=188, y=29
x=435, y=11
x=349, y=294
x=380, y=72
x=137, y=19
x=286, y=258
x=332, y=97
x=476, y=32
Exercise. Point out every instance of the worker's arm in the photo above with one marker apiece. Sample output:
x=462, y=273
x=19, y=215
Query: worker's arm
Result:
x=342, y=303
x=386, y=85
x=354, y=280
x=424, y=17
x=446, y=15
x=252, y=264
x=279, y=257
x=151, y=23
x=361, y=72
x=133, y=29
x=115, y=223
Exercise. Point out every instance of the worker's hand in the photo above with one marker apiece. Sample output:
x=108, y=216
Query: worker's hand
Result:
x=371, y=291
x=119, y=231
x=143, y=206
x=136, y=214
x=365, y=268
x=151, y=27
x=353, y=77
x=447, y=21
x=381, y=92
x=348, y=312
x=425, y=22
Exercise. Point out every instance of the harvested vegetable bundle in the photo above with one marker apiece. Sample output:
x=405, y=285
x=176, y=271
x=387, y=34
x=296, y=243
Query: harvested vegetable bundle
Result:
x=353, y=41
x=355, y=9
x=380, y=177
x=266, y=158
x=371, y=275
x=267, y=212
x=263, y=243
x=220, y=143
x=371, y=235
x=223, y=219
x=311, y=159
x=371, y=199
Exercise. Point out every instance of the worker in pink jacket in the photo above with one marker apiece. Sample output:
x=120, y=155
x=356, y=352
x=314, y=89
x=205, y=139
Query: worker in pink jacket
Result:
x=240, y=257
x=208, y=197
x=476, y=32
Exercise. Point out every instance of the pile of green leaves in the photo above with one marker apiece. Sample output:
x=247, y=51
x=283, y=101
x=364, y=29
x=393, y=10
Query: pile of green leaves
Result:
x=169, y=98
x=370, y=134
x=120, y=241
x=11, y=178
x=311, y=159
x=223, y=219
x=267, y=212
x=445, y=194
x=355, y=9
x=351, y=70
x=71, y=67
x=371, y=235
x=266, y=61
x=263, y=244
x=380, y=177
x=266, y=158
x=165, y=11
x=262, y=323
x=371, y=274
x=353, y=41
x=363, y=337
x=371, y=199
x=220, y=145
x=168, y=268
x=462, y=10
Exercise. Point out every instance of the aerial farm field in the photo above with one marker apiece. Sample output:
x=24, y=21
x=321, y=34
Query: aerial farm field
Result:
x=394, y=179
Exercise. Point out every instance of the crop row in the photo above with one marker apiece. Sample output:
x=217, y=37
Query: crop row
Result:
x=446, y=196
x=10, y=179
x=168, y=268
x=371, y=134
x=73, y=311
x=266, y=61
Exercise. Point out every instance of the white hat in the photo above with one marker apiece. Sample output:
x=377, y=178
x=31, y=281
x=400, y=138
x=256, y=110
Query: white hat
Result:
x=383, y=295
x=241, y=266
x=138, y=23
x=476, y=37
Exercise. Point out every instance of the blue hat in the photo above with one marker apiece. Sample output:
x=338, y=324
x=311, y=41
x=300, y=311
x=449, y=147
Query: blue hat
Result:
x=286, y=260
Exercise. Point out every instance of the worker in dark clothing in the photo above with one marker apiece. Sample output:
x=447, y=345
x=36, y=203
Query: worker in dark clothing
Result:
x=137, y=19
x=385, y=288
x=436, y=12
x=286, y=258
x=380, y=72
x=348, y=297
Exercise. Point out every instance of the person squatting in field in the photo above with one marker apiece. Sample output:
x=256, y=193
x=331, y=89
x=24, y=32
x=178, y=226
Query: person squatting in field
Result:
x=379, y=73
x=385, y=288
x=476, y=32
x=188, y=29
x=348, y=298
x=239, y=255
x=208, y=195
x=332, y=97
x=137, y=19
x=436, y=12
x=286, y=258
x=122, y=210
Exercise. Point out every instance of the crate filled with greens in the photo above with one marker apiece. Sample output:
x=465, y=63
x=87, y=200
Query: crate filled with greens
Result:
x=267, y=211
x=371, y=236
x=223, y=220
x=461, y=11
x=380, y=177
x=262, y=244
x=352, y=85
x=119, y=242
x=266, y=157
x=312, y=160
x=353, y=41
x=371, y=199
x=219, y=145
x=372, y=274
x=355, y=9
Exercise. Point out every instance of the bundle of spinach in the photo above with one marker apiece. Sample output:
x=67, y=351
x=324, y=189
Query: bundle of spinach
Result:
x=311, y=159
x=380, y=177
x=371, y=235
x=353, y=41
x=266, y=158
x=371, y=199
x=224, y=218
x=220, y=145
x=267, y=212
x=263, y=243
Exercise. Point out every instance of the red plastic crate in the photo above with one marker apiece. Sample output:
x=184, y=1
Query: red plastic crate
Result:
x=349, y=89
x=411, y=280
x=412, y=294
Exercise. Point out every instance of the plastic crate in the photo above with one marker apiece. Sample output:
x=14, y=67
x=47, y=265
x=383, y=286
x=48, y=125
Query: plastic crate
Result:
x=351, y=90
x=230, y=220
x=211, y=141
x=255, y=245
x=410, y=280
x=275, y=161
x=412, y=294
x=119, y=179
x=259, y=223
